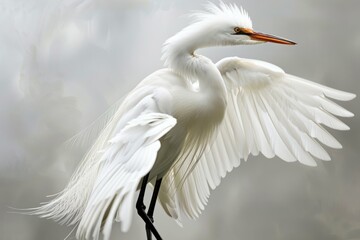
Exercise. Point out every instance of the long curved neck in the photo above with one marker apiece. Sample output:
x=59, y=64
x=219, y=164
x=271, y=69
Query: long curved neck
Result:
x=179, y=55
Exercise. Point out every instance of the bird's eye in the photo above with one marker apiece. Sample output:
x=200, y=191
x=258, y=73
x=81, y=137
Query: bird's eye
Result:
x=237, y=30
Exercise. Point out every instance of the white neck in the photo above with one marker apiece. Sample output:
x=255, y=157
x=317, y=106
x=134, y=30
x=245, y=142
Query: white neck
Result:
x=179, y=55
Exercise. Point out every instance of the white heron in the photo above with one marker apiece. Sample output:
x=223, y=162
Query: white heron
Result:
x=184, y=127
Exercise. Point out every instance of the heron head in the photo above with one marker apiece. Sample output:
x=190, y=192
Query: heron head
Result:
x=227, y=24
x=218, y=25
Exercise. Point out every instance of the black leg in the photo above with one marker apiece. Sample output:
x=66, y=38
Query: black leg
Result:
x=150, y=212
x=148, y=232
x=141, y=209
x=140, y=201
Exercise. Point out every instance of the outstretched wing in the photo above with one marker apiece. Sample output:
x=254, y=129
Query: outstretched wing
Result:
x=279, y=114
x=268, y=112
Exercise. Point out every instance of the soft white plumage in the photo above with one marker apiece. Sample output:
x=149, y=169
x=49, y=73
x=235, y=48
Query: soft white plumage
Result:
x=192, y=122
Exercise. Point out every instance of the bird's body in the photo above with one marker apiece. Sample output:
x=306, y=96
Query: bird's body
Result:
x=186, y=125
x=194, y=111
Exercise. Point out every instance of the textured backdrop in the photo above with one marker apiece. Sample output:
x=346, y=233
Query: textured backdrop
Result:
x=63, y=63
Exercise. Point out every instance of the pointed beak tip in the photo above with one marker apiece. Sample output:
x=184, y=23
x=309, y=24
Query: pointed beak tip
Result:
x=291, y=43
x=281, y=41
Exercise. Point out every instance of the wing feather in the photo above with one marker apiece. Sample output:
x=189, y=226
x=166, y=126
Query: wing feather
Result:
x=268, y=111
x=313, y=106
x=126, y=159
x=103, y=187
x=318, y=89
x=278, y=144
x=237, y=126
x=302, y=138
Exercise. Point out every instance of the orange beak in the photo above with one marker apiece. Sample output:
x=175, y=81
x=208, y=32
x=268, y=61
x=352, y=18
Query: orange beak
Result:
x=264, y=37
x=270, y=38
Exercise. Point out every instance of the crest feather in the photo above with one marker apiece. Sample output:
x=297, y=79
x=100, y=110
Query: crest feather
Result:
x=223, y=11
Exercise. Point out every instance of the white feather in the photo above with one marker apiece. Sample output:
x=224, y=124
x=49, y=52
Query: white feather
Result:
x=190, y=134
x=270, y=112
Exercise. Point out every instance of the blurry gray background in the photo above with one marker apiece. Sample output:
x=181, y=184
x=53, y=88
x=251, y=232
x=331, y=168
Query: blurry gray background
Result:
x=63, y=63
